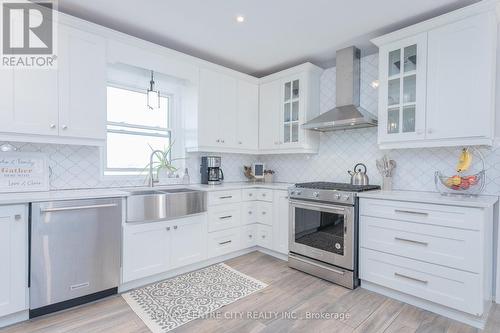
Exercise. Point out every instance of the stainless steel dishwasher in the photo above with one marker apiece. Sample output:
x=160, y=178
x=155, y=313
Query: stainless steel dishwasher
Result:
x=75, y=253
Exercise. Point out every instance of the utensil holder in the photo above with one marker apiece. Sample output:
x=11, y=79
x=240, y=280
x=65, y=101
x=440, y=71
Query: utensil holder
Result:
x=386, y=183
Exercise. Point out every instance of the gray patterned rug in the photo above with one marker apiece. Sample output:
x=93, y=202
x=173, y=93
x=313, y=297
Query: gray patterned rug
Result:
x=168, y=304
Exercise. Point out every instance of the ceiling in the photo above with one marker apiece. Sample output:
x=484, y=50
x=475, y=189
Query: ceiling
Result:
x=276, y=34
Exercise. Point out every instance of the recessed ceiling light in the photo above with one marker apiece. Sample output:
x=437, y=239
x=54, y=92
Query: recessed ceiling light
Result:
x=240, y=18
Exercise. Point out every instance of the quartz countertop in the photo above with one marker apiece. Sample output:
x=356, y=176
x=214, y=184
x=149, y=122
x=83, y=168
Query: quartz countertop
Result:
x=481, y=201
x=56, y=195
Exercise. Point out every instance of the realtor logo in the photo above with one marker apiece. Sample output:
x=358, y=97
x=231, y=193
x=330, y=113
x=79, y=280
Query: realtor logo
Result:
x=28, y=34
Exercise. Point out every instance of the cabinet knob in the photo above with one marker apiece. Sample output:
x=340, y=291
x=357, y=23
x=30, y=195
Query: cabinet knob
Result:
x=430, y=131
x=175, y=227
x=239, y=142
x=263, y=236
x=64, y=127
x=222, y=141
x=250, y=212
x=249, y=236
x=17, y=217
x=263, y=213
x=52, y=126
x=168, y=228
x=217, y=140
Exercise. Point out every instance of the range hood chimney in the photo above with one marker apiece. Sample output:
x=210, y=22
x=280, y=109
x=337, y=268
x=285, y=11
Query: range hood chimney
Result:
x=348, y=114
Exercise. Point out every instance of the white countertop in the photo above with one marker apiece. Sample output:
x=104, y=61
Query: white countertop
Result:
x=56, y=195
x=482, y=201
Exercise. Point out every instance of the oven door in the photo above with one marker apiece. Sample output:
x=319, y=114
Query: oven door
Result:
x=323, y=232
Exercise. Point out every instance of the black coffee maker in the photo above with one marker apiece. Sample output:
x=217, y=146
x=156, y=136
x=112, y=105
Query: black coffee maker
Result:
x=211, y=172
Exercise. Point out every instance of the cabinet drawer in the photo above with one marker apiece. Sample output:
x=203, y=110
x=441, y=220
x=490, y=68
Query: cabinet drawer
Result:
x=223, y=197
x=446, y=286
x=257, y=194
x=264, y=236
x=223, y=242
x=257, y=212
x=223, y=217
x=448, y=216
x=456, y=248
x=248, y=236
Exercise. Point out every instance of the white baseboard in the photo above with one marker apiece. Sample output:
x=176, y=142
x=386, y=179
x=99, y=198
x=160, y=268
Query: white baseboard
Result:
x=477, y=322
x=14, y=318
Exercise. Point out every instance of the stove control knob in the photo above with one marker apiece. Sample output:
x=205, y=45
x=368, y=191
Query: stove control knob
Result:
x=346, y=197
x=337, y=196
x=316, y=194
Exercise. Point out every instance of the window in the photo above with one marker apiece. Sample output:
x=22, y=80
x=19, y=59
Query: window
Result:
x=133, y=130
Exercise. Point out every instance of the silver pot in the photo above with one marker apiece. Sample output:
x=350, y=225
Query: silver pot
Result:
x=358, y=176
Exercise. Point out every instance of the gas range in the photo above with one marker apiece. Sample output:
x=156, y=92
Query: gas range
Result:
x=340, y=193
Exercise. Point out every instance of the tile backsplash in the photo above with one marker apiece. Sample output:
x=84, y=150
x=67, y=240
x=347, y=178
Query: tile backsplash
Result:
x=80, y=166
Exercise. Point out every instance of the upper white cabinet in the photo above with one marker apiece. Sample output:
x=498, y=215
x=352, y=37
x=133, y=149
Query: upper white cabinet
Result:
x=227, y=115
x=287, y=100
x=13, y=259
x=63, y=105
x=82, y=84
x=437, y=81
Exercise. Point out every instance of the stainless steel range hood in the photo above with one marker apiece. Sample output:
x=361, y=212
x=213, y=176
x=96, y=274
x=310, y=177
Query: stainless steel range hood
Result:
x=348, y=114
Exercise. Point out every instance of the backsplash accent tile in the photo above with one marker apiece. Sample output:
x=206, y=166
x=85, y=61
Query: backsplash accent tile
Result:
x=79, y=166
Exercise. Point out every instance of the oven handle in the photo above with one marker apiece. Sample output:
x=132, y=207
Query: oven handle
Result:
x=295, y=203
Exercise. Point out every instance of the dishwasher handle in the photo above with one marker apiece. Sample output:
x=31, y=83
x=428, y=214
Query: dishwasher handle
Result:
x=62, y=209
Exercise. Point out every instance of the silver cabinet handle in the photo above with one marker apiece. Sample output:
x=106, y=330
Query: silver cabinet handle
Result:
x=249, y=212
x=175, y=227
x=400, y=211
x=62, y=209
x=263, y=236
x=217, y=140
x=168, y=228
x=249, y=236
x=52, y=126
x=225, y=217
x=263, y=194
x=410, y=278
x=64, y=127
x=226, y=242
x=226, y=197
x=411, y=241
x=17, y=217
x=250, y=194
x=264, y=213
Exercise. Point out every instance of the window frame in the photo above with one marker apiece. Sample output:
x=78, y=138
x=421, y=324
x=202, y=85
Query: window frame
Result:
x=134, y=173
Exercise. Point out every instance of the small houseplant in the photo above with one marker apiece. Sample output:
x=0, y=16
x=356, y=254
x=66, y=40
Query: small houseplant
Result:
x=162, y=163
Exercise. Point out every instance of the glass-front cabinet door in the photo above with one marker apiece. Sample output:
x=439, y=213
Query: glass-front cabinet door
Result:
x=291, y=104
x=402, y=89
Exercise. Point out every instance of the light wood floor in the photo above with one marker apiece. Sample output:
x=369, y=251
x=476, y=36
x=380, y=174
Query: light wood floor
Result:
x=288, y=290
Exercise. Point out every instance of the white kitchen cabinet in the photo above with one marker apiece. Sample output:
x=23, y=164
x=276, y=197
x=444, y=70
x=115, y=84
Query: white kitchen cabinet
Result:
x=248, y=116
x=29, y=102
x=146, y=250
x=188, y=241
x=82, y=84
x=156, y=247
x=287, y=100
x=437, y=81
x=13, y=259
x=280, y=221
x=264, y=236
x=63, y=105
x=248, y=236
x=227, y=114
x=435, y=256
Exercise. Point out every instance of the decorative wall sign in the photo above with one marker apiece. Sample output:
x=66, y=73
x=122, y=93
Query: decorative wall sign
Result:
x=23, y=172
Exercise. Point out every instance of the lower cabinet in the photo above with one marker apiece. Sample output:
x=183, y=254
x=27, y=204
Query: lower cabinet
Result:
x=248, y=235
x=265, y=236
x=153, y=248
x=13, y=259
x=223, y=242
x=280, y=222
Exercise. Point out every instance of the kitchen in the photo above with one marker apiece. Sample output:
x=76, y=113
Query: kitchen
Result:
x=139, y=171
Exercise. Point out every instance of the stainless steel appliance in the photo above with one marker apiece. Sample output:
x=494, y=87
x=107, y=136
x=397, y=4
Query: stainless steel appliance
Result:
x=358, y=176
x=324, y=230
x=166, y=204
x=75, y=253
x=348, y=113
x=210, y=169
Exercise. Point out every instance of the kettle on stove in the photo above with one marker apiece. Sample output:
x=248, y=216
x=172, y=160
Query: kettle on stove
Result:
x=358, y=176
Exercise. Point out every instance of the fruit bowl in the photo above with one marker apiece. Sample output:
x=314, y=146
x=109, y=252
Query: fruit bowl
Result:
x=460, y=184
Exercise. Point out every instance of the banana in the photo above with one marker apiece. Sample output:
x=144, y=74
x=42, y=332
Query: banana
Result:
x=464, y=161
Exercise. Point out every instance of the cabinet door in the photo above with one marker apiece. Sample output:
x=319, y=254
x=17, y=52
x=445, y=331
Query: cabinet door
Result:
x=82, y=84
x=460, y=88
x=269, y=115
x=402, y=94
x=264, y=236
x=189, y=240
x=145, y=250
x=280, y=222
x=13, y=259
x=29, y=101
x=248, y=115
x=218, y=114
x=290, y=109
